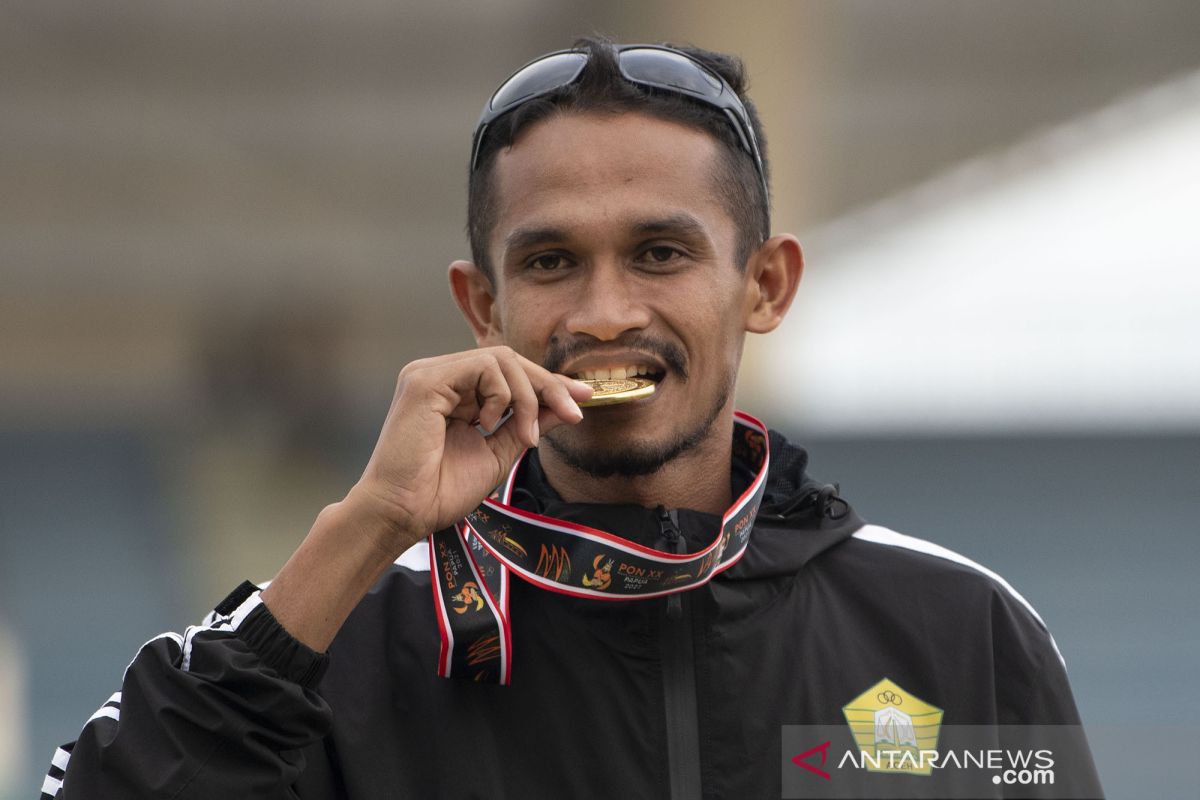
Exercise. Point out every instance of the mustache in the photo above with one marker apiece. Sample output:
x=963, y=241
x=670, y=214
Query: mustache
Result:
x=559, y=352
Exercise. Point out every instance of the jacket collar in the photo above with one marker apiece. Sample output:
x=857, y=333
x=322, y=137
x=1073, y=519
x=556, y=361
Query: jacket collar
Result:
x=800, y=517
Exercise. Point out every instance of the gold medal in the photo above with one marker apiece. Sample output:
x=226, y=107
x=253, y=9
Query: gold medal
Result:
x=617, y=390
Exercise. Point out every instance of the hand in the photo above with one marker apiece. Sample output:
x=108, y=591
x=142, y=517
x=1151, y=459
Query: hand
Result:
x=431, y=466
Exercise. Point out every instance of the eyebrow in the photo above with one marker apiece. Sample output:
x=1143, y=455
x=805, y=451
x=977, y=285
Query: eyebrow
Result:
x=681, y=224
x=525, y=238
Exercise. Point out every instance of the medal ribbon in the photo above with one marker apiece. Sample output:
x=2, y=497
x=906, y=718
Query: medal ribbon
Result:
x=470, y=564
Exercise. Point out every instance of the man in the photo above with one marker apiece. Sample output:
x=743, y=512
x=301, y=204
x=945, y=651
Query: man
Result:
x=685, y=589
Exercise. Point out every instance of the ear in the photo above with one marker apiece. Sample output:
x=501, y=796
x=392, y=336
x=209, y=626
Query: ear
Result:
x=772, y=276
x=476, y=299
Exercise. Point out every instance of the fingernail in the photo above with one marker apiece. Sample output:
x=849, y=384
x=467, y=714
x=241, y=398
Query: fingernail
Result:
x=537, y=431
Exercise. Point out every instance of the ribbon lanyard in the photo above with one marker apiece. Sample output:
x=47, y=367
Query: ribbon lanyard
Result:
x=470, y=564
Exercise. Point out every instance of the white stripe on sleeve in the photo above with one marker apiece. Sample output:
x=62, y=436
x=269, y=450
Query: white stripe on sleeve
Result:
x=885, y=536
x=50, y=786
x=106, y=711
x=226, y=624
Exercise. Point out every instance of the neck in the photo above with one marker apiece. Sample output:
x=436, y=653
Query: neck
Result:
x=697, y=479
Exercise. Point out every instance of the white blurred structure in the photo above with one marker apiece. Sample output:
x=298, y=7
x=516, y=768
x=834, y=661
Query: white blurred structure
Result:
x=13, y=721
x=1052, y=285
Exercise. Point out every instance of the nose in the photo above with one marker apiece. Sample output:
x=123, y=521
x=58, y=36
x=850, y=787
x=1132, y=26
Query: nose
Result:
x=609, y=304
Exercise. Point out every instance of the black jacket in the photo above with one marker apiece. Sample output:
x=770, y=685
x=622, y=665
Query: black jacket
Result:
x=681, y=696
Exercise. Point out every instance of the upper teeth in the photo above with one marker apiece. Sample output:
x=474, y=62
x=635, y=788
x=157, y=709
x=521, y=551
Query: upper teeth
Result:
x=614, y=373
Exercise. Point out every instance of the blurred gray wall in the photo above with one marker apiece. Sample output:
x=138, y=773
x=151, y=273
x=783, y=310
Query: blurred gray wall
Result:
x=224, y=228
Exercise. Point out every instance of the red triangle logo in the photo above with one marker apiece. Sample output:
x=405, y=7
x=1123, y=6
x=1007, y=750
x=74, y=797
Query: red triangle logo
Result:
x=823, y=749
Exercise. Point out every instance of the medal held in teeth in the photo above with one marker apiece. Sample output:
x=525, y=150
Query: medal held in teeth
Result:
x=617, y=390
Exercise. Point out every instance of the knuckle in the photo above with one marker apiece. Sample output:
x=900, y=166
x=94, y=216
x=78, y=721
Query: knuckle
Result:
x=415, y=365
x=407, y=374
x=411, y=368
x=412, y=379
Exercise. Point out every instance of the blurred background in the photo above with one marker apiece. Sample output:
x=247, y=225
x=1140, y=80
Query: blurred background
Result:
x=224, y=229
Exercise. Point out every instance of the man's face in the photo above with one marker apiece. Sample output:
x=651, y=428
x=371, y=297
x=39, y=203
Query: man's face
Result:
x=613, y=252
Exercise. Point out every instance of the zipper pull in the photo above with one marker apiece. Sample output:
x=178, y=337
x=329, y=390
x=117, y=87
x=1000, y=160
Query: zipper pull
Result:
x=668, y=524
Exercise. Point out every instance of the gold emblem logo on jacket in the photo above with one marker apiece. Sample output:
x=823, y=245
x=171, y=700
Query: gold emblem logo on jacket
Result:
x=892, y=727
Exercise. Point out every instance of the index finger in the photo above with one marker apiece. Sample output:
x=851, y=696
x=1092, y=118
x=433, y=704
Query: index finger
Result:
x=556, y=392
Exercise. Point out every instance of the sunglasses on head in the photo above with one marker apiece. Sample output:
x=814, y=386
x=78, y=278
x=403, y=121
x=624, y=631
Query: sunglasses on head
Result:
x=654, y=66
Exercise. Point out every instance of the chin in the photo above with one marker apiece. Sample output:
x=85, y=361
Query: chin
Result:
x=625, y=458
x=605, y=452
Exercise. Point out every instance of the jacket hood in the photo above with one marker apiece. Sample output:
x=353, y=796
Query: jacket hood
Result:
x=800, y=517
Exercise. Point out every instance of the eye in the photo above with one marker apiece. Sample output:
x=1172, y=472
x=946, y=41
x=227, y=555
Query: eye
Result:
x=547, y=262
x=661, y=254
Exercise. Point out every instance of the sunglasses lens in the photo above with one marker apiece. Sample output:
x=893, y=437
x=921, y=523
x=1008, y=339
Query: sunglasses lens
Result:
x=541, y=76
x=669, y=70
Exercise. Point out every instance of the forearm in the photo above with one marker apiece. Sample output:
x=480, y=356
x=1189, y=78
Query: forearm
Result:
x=349, y=546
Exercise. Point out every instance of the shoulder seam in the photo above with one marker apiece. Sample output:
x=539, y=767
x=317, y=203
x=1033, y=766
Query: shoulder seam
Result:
x=878, y=534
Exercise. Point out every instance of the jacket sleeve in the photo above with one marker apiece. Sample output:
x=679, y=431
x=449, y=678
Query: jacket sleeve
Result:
x=221, y=711
x=1035, y=705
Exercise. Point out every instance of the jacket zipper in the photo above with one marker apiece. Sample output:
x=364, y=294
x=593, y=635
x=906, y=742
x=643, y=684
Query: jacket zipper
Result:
x=679, y=676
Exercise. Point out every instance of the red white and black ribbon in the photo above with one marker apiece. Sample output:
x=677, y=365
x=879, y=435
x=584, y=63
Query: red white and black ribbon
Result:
x=471, y=563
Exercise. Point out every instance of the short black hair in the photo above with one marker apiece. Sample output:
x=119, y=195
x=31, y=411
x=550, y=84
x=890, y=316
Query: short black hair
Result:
x=602, y=88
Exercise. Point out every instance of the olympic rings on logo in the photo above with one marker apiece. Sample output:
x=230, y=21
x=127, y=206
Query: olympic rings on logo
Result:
x=888, y=696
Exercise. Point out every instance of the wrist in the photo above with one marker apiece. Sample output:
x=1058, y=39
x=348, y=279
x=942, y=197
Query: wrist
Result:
x=370, y=517
x=348, y=548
